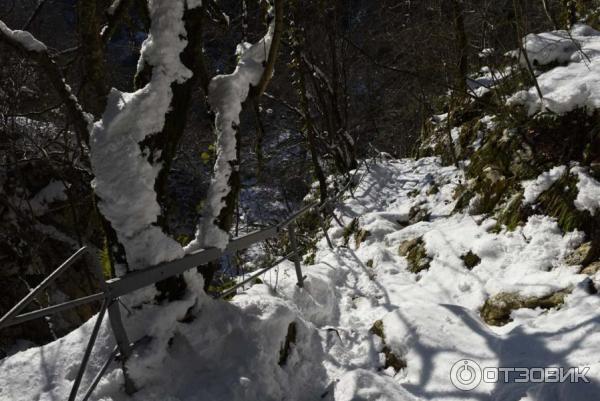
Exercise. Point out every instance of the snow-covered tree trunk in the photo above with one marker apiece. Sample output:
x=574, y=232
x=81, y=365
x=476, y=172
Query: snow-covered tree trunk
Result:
x=125, y=173
x=226, y=95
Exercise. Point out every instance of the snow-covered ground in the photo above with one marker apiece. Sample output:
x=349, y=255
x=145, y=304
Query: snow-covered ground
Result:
x=430, y=320
x=564, y=88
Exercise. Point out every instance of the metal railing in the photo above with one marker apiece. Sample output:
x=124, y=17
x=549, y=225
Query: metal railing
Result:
x=114, y=288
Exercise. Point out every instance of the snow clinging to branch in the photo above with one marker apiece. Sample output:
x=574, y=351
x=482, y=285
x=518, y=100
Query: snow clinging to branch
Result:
x=226, y=96
x=24, y=38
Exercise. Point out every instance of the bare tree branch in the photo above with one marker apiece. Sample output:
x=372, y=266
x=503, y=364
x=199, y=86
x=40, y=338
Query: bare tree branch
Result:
x=273, y=50
x=39, y=53
x=114, y=15
x=34, y=14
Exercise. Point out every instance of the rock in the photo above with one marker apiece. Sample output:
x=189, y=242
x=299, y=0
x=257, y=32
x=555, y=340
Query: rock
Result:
x=349, y=230
x=470, y=260
x=493, y=175
x=416, y=255
x=497, y=309
x=360, y=236
x=377, y=329
x=417, y=214
x=407, y=245
x=391, y=360
x=579, y=255
x=592, y=268
x=433, y=189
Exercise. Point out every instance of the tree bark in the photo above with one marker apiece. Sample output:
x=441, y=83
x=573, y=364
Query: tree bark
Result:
x=95, y=86
x=462, y=46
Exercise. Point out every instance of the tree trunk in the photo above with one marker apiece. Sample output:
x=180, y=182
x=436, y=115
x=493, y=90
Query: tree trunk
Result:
x=95, y=88
x=166, y=142
x=462, y=46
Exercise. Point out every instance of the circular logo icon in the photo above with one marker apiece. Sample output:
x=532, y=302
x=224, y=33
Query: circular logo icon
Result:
x=465, y=374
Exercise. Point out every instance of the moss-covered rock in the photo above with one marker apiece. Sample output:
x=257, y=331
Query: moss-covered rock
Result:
x=463, y=195
x=497, y=309
x=591, y=269
x=417, y=214
x=360, y=236
x=354, y=229
x=416, y=255
x=491, y=187
x=349, y=230
x=513, y=214
x=407, y=245
x=470, y=260
x=579, y=255
x=559, y=202
x=433, y=189
x=391, y=360
x=377, y=329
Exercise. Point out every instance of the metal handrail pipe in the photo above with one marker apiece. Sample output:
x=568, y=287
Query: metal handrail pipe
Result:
x=4, y=320
x=51, y=310
x=231, y=290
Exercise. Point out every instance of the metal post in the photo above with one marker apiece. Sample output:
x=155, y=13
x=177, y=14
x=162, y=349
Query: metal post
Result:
x=116, y=323
x=337, y=219
x=88, y=352
x=322, y=222
x=123, y=343
x=296, y=256
x=99, y=375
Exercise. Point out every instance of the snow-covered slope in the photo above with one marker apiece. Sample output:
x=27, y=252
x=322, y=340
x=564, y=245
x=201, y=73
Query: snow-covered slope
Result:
x=564, y=88
x=362, y=309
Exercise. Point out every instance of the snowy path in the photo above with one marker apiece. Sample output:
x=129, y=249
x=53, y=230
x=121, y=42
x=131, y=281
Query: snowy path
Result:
x=431, y=319
x=234, y=351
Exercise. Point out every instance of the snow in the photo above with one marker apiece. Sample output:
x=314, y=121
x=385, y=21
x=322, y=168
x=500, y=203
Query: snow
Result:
x=565, y=88
x=455, y=134
x=431, y=318
x=534, y=188
x=54, y=191
x=24, y=38
x=226, y=94
x=124, y=178
x=230, y=350
x=561, y=46
x=588, y=197
x=191, y=4
x=487, y=52
x=486, y=79
x=113, y=7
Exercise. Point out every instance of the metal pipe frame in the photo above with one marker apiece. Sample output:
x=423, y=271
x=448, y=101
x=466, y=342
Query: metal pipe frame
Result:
x=88, y=352
x=47, y=281
x=252, y=277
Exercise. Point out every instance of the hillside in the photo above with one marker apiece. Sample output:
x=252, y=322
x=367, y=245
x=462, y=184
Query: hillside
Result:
x=468, y=272
x=383, y=316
